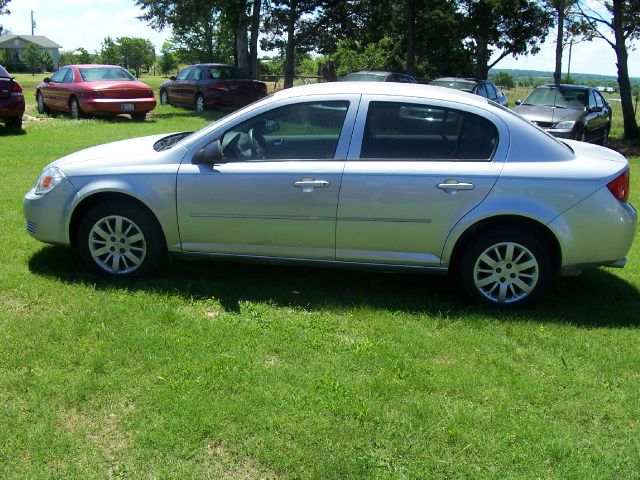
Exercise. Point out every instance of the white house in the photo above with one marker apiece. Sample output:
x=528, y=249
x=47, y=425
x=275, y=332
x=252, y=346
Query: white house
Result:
x=15, y=45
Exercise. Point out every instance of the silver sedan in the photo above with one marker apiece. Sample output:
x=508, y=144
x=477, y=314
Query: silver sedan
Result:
x=354, y=174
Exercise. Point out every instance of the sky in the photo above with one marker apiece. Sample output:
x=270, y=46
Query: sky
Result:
x=85, y=23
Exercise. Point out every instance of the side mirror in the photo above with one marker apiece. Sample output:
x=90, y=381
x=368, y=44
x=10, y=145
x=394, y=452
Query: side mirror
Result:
x=518, y=102
x=173, y=77
x=47, y=80
x=209, y=155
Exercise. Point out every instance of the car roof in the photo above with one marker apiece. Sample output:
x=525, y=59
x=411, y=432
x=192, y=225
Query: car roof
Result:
x=212, y=65
x=91, y=65
x=380, y=88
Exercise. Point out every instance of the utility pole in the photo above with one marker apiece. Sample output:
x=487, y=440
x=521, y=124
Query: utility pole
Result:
x=33, y=24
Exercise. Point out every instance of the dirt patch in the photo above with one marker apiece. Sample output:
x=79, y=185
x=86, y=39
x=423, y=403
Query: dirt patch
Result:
x=628, y=149
x=220, y=463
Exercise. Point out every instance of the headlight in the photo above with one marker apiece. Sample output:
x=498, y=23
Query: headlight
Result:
x=568, y=125
x=49, y=178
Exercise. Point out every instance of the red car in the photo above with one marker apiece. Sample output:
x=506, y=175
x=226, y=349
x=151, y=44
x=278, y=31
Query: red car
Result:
x=11, y=100
x=95, y=90
x=210, y=85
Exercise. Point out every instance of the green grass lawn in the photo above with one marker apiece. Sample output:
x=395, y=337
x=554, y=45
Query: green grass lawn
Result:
x=221, y=370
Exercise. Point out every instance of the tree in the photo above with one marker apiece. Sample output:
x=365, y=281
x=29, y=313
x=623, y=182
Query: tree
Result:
x=136, y=53
x=83, y=56
x=67, y=57
x=569, y=28
x=504, y=80
x=32, y=57
x=168, y=60
x=202, y=28
x=3, y=11
x=515, y=27
x=619, y=19
x=287, y=28
x=110, y=52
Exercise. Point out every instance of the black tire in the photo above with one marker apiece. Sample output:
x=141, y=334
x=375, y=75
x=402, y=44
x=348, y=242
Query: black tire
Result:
x=15, y=123
x=164, y=97
x=125, y=230
x=139, y=116
x=508, y=282
x=41, y=106
x=198, y=103
x=605, y=137
x=75, y=112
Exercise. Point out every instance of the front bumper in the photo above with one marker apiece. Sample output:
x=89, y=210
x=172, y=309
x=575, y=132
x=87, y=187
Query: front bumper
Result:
x=561, y=133
x=47, y=216
x=116, y=106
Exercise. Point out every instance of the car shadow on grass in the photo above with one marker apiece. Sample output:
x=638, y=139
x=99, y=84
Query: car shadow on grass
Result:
x=11, y=131
x=595, y=299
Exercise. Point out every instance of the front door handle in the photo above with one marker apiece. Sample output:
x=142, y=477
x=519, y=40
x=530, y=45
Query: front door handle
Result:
x=455, y=185
x=308, y=184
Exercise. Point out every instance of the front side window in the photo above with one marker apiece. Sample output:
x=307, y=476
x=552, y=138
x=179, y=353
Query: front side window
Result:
x=58, y=77
x=184, y=73
x=482, y=90
x=406, y=131
x=309, y=130
x=599, y=100
x=68, y=78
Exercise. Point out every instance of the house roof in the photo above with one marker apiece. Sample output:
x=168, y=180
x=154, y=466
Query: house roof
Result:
x=39, y=40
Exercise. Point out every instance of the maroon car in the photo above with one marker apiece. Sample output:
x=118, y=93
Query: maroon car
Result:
x=11, y=100
x=95, y=90
x=211, y=85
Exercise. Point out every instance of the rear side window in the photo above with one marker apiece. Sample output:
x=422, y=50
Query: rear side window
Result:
x=420, y=132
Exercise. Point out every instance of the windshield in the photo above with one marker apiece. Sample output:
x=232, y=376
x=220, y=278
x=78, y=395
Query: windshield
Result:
x=463, y=85
x=364, y=77
x=109, y=73
x=562, y=97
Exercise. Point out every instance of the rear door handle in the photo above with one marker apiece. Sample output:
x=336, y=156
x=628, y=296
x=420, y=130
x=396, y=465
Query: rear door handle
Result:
x=308, y=184
x=455, y=185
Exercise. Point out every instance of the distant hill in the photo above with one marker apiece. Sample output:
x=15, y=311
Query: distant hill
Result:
x=577, y=77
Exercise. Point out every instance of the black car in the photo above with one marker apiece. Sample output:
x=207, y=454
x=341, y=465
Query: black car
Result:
x=11, y=100
x=569, y=111
x=484, y=88
x=211, y=85
x=374, y=76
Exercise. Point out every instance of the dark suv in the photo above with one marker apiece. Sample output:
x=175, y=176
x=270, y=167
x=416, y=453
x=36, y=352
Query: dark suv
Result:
x=484, y=88
x=569, y=111
x=210, y=85
x=11, y=100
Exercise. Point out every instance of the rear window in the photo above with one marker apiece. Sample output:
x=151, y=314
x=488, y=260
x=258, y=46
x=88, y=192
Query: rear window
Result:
x=364, y=77
x=421, y=132
x=222, y=73
x=464, y=85
x=99, y=74
x=3, y=72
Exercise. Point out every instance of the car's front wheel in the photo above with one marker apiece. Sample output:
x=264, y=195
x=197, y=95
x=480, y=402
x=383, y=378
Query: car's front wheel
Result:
x=199, y=103
x=164, y=97
x=121, y=239
x=505, y=268
x=42, y=107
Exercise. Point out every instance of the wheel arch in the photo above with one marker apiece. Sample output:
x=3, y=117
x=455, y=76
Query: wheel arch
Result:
x=526, y=224
x=89, y=202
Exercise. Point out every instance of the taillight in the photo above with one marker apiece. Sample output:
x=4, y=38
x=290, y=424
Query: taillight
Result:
x=16, y=89
x=619, y=186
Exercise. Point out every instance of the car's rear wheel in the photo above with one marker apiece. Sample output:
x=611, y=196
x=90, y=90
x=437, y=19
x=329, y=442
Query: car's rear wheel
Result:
x=42, y=108
x=120, y=239
x=199, y=103
x=75, y=111
x=164, y=97
x=15, y=123
x=605, y=137
x=139, y=116
x=505, y=268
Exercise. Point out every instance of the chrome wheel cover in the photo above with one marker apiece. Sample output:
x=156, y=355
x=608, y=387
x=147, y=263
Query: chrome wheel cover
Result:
x=40, y=103
x=506, y=272
x=117, y=245
x=164, y=98
x=199, y=103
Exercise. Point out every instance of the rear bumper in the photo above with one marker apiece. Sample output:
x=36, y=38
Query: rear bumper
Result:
x=119, y=105
x=597, y=232
x=12, y=107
